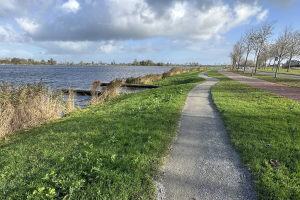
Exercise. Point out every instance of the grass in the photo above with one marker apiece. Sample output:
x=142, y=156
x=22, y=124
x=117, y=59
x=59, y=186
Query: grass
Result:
x=112, y=150
x=271, y=78
x=262, y=126
x=282, y=71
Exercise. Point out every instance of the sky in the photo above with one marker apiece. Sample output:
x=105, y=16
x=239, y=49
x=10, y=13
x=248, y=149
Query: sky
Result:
x=175, y=31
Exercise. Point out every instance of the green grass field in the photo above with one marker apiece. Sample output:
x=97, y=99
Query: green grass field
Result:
x=270, y=78
x=282, y=71
x=112, y=150
x=262, y=126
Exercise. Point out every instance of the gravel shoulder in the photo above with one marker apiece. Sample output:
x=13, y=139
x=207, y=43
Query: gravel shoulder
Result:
x=203, y=164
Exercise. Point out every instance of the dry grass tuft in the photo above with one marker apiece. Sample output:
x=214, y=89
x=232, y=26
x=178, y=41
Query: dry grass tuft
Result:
x=95, y=93
x=28, y=105
x=143, y=79
x=107, y=92
x=155, y=77
x=69, y=103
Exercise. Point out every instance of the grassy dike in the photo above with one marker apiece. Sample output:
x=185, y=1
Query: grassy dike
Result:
x=109, y=151
x=262, y=126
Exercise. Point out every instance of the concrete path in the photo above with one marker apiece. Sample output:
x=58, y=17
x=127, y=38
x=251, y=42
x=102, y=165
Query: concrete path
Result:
x=203, y=164
x=281, y=90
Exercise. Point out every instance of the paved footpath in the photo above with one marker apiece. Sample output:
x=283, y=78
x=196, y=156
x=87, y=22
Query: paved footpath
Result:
x=281, y=90
x=203, y=164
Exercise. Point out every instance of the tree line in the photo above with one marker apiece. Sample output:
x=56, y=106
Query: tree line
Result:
x=151, y=63
x=258, y=40
x=30, y=61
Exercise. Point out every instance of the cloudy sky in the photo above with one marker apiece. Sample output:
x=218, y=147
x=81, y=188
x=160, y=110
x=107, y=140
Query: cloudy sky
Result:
x=176, y=31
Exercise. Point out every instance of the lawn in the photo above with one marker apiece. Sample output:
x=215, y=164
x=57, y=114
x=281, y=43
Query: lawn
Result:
x=271, y=78
x=263, y=127
x=282, y=71
x=113, y=150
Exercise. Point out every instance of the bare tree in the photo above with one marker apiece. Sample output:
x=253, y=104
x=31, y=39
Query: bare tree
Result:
x=239, y=50
x=282, y=43
x=271, y=53
x=248, y=43
x=260, y=37
x=232, y=56
x=293, y=48
x=268, y=54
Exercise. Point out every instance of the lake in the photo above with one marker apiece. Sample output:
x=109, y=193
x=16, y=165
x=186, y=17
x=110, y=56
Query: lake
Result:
x=80, y=77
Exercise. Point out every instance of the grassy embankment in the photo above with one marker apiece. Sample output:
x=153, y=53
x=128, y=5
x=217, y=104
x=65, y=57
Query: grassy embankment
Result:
x=271, y=78
x=111, y=150
x=262, y=126
x=282, y=71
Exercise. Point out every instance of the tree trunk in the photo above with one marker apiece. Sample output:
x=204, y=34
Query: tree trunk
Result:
x=273, y=66
x=289, y=64
x=246, y=61
x=238, y=67
x=277, y=68
x=256, y=64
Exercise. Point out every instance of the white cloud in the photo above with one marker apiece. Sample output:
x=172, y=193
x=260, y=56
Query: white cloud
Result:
x=104, y=26
x=106, y=48
x=135, y=19
x=10, y=36
x=262, y=16
x=243, y=13
x=71, y=6
x=27, y=25
x=19, y=53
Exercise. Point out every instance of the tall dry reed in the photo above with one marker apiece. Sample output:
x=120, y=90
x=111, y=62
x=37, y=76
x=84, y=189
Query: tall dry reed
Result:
x=107, y=92
x=27, y=105
x=69, y=102
x=143, y=79
x=155, y=77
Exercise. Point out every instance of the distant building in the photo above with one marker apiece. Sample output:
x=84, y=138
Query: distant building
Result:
x=294, y=63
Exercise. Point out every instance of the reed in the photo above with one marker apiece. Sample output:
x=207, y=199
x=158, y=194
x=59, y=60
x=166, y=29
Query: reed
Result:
x=28, y=105
x=107, y=92
x=95, y=93
x=69, y=103
x=155, y=77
